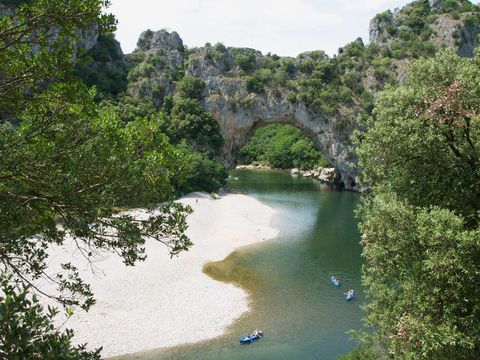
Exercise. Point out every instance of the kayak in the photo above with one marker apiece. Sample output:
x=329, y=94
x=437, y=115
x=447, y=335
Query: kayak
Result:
x=251, y=338
x=349, y=297
x=335, y=282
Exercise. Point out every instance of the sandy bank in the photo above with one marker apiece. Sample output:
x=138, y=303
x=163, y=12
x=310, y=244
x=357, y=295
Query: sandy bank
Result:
x=165, y=302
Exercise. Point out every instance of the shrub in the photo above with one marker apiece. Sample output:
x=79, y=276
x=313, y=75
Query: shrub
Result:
x=191, y=87
x=354, y=81
x=292, y=97
x=246, y=101
x=471, y=20
x=254, y=84
x=202, y=173
x=288, y=66
x=219, y=47
x=246, y=61
x=405, y=34
x=392, y=30
x=264, y=75
x=306, y=67
x=385, y=16
x=318, y=55
x=142, y=70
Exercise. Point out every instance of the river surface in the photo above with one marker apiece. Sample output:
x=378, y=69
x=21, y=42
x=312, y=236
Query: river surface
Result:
x=301, y=314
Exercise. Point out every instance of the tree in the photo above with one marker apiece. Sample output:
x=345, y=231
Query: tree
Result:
x=202, y=174
x=27, y=331
x=420, y=224
x=188, y=121
x=66, y=168
x=424, y=141
x=191, y=87
x=246, y=60
x=41, y=39
x=104, y=66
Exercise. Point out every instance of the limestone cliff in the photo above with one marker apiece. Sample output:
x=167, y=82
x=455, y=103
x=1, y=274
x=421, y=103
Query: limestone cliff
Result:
x=441, y=23
x=237, y=109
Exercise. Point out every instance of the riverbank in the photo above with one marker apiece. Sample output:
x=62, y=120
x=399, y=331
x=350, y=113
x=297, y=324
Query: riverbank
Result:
x=291, y=300
x=165, y=302
x=327, y=175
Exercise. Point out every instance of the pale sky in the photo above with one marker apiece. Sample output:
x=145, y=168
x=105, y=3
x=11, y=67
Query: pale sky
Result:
x=283, y=27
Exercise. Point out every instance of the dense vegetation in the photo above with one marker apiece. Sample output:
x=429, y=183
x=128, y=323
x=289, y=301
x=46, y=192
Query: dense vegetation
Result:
x=104, y=66
x=420, y=224
x=194, y=132
x=282, y=146
x=341, y=87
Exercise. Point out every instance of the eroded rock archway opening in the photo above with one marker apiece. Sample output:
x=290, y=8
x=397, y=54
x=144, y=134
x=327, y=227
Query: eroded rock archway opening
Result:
x=279, y=121
x=239, y=126
x=285, y=146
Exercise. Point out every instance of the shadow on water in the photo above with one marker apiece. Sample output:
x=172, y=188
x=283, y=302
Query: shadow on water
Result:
x=303, y=317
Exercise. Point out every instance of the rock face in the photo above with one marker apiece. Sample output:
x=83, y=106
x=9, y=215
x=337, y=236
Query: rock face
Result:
x=161, y=39
x=6, y=10
x=88, y=38
x=447, y=30
x=435, y=4
x=238, y=124
x=450, y=32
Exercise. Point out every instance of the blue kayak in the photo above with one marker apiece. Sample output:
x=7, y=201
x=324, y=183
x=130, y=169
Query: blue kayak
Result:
x=349, y=297
x=335, y=282
x=250, y=339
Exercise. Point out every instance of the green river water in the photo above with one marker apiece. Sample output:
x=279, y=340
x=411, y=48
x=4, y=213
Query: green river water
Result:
x=301, y=314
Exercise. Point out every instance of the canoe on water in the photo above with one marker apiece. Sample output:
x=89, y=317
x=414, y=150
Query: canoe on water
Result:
x=251, y=338
x=349, y=297
x=335, y=282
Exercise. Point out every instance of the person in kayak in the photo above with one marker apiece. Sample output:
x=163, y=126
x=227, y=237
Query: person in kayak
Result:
x=257, y=333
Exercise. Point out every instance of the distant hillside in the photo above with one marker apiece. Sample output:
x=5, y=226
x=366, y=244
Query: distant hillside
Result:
x=322, y=96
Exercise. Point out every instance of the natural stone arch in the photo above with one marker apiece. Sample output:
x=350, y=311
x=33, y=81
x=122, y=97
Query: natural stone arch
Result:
x=237, y=125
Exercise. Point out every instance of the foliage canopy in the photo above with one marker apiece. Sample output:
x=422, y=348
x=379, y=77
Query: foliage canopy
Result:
x=65, y=170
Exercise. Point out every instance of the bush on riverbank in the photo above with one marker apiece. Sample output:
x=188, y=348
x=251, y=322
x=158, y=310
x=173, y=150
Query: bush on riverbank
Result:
x=202, y=173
